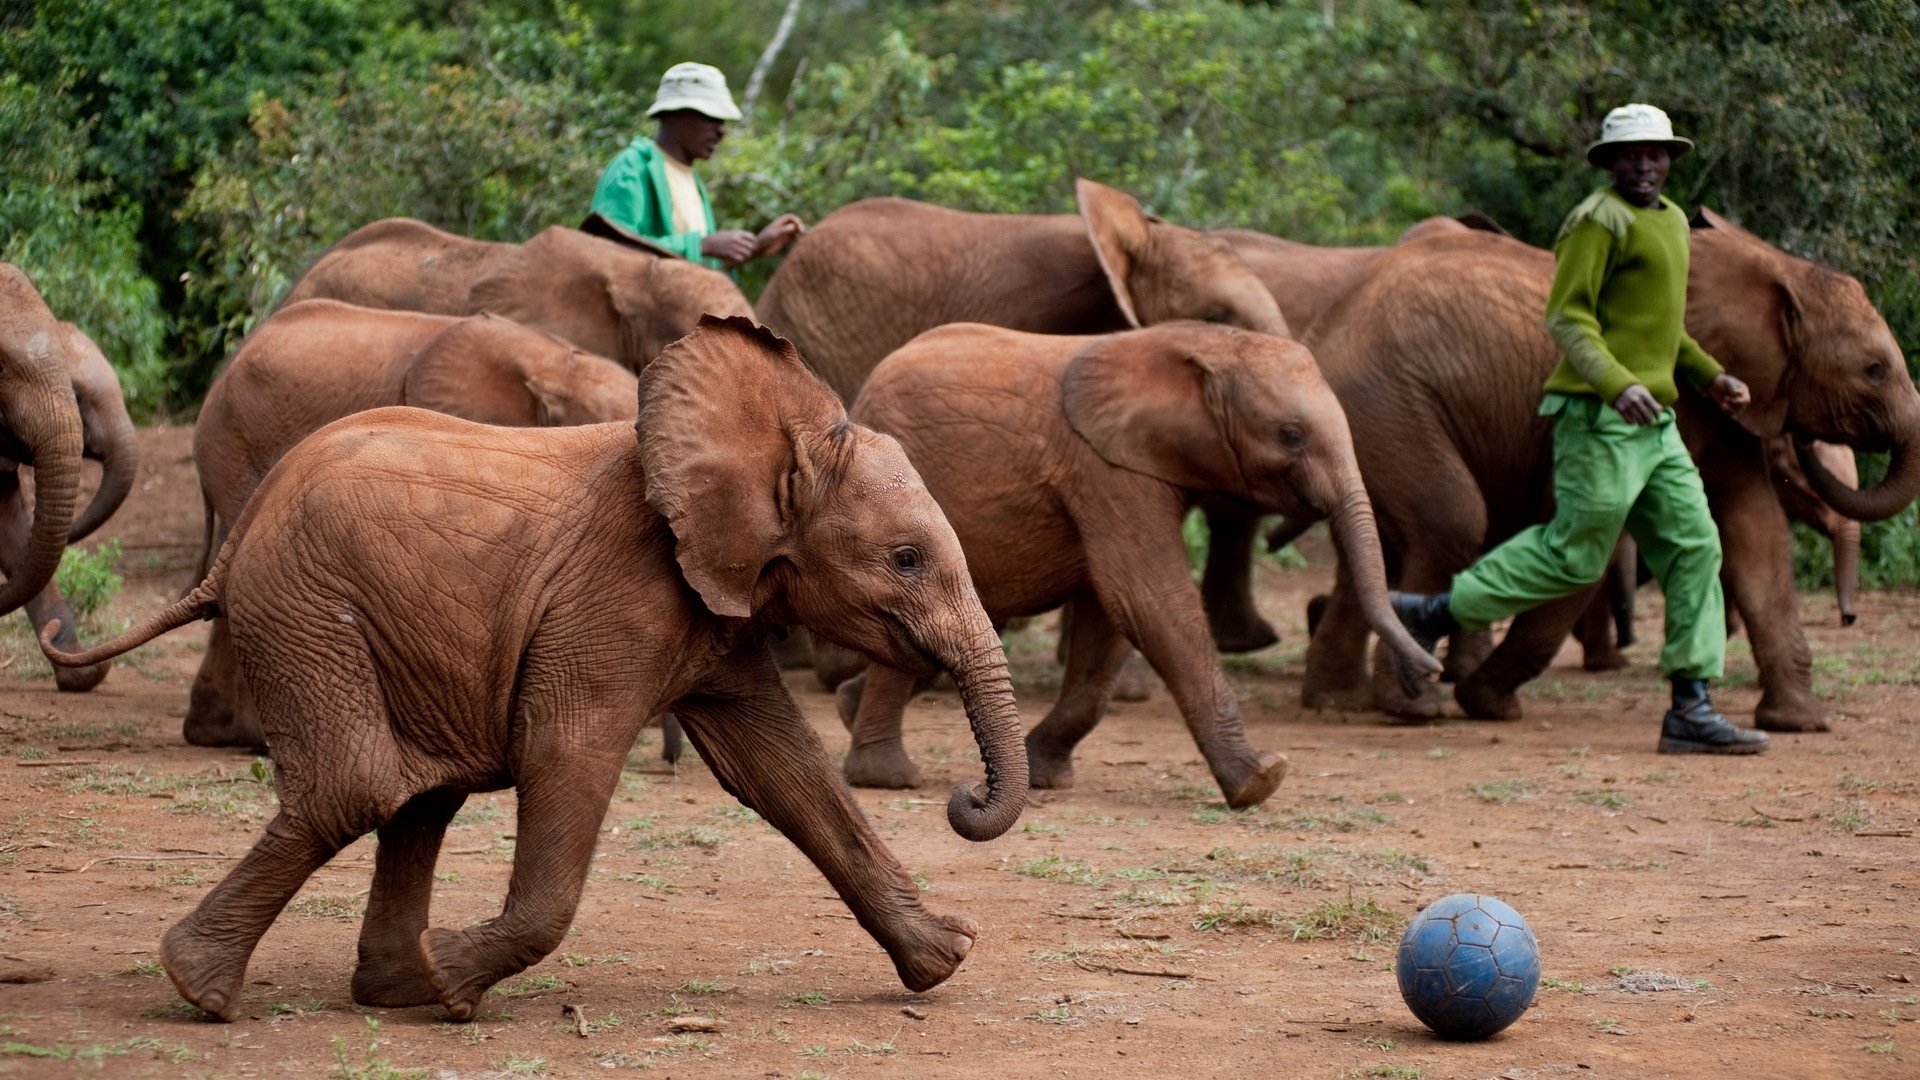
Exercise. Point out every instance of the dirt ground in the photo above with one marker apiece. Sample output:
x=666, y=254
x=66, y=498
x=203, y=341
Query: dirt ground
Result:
x=1739, y=917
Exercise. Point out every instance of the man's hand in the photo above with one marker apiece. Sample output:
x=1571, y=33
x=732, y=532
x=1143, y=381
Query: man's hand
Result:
x=1729, y=393
x=782, y=231
x=733, y=247
x=1637, y=405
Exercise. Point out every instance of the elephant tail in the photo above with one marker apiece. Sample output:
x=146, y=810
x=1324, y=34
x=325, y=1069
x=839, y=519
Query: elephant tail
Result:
x=200, y=602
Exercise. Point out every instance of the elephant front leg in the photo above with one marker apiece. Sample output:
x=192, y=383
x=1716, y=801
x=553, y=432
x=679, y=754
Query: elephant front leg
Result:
x=1757, y=570
x=766, y=755
x=1227, y=587
x=389, y=973
x=877, y=758
x=1337, y=650
x=1095, y=654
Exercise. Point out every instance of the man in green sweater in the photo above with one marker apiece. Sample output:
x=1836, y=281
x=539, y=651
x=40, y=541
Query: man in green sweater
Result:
x=1617, y=310
x=651, y=192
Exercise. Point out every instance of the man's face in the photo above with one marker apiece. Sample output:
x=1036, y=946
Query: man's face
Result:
x=1640, y=171
x=696, y=134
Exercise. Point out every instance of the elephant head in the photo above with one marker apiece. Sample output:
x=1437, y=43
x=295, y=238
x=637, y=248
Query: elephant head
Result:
x=107, y=431
x=494, y=371
x=1246, y=415
x=1161, y=272
x=1820, y=360
x=607, y=298
x=39, y=426
x=783, y=508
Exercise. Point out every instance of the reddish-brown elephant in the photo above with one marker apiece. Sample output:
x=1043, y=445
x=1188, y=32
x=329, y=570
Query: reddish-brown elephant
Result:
x=1439, y=354
x=1066, y=464
x=426, y=607
x=873, y=274
x=44, y=366
x=613, y=299
x=316, y=361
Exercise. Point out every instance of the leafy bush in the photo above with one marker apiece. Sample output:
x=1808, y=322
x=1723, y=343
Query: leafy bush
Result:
x=88, y=579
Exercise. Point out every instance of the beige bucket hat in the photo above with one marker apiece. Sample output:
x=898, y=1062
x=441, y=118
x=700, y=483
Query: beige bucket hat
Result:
x=699, y=87
x=1637, y=123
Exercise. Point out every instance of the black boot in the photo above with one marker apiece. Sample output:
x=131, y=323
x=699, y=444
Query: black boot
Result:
x=1425, y=615
x=1694, y=726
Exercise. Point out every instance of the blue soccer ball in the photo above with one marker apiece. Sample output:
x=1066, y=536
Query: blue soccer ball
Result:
x=1468, y=966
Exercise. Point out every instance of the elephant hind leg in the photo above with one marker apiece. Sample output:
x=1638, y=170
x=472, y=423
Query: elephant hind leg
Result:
x=876, y=757
x=1095, y=653
x=206, y=953
x=218, y=712
x=389, y=973
x=1227, y=585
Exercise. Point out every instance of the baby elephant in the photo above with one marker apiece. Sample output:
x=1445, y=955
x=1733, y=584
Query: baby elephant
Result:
x=425, y=607
x=1066, y=465
x=319, y=360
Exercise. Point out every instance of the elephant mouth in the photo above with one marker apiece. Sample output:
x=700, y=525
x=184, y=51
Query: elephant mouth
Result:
x=924, y=662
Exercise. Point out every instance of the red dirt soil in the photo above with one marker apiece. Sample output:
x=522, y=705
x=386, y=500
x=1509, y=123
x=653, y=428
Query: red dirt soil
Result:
x=1696, y=917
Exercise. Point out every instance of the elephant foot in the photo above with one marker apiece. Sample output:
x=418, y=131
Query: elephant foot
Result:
x=1240, y=629
x=1466, y=651
x=933, y=951
x=80, y=680
x=1483, y=702
x=1790, y=713
x=1390, y=700
x=1252, y=790
x=392, y=984
x=881, y=765
x=1049, y=768
x=1354, y=698
x=208, y=976
x=846, y=699
x=1135, y=682
x=1603, y=660
x=457, y=984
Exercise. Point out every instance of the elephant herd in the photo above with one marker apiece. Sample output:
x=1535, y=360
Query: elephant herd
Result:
x=415, y=597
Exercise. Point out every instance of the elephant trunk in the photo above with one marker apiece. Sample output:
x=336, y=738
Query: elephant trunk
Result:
x=1359, y=541
x=980, y=670
x=1883, y=500
x=48, y=424
x=119, y=454
x=1846, y=569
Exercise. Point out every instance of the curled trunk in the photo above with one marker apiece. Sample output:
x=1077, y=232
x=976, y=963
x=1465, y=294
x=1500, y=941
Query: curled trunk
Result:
x=980, y=670
x=1881, y=501
x=1359, y=542
x=119, y=454
x=48, y=425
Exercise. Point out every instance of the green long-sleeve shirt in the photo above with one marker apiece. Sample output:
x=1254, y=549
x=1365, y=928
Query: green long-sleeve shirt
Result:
x=1619, y=301
x=633, y=194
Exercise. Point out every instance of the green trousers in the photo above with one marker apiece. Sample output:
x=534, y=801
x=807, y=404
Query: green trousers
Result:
x=1610, y=475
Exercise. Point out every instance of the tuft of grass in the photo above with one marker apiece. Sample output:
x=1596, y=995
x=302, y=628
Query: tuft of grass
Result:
x=810, y=999
x=1059, y=869
x=1404, y=1072
x=1503, y=792
x=1886, y=1046
x=1364, y=920
x=524, y=1066
x=702, y=989
x=372, y=1065
x=325, y=906
x=1553, y=982
x=1610, y=800
x=532, y=984
x=1237, y=915
x=1848, y=815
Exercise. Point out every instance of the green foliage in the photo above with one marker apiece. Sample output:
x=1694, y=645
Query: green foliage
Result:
x=87, y=578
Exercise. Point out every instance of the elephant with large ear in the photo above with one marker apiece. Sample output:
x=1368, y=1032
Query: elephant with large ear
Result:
x=40, y=426
x=1066, y=464
x=871, y=275
x=107, y=436
x=426, y=607
x=316, y=361
x=1439, y=355
x=617, y=300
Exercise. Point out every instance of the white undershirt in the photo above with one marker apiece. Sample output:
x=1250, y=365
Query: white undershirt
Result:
x=688, y=214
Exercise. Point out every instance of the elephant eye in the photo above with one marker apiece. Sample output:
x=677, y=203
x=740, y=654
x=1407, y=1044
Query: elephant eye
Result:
x=1876, y=371
x=907, y=560
x=1292, y=437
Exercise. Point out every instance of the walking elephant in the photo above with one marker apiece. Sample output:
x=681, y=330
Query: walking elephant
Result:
x=426, y=607
x=609, y=298
x=1066, y=464
x=871, y=275
x=316, y=361
x=59, y=402
x=1439, y=355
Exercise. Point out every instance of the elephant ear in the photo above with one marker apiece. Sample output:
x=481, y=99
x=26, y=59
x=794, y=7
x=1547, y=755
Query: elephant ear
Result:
x=1153, y=409
x=731, y=421
x=468, y=372
x=1119, y=228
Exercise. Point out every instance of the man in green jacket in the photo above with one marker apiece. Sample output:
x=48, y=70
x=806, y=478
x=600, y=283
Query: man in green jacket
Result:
x=1617, y=311
x=651, y=192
